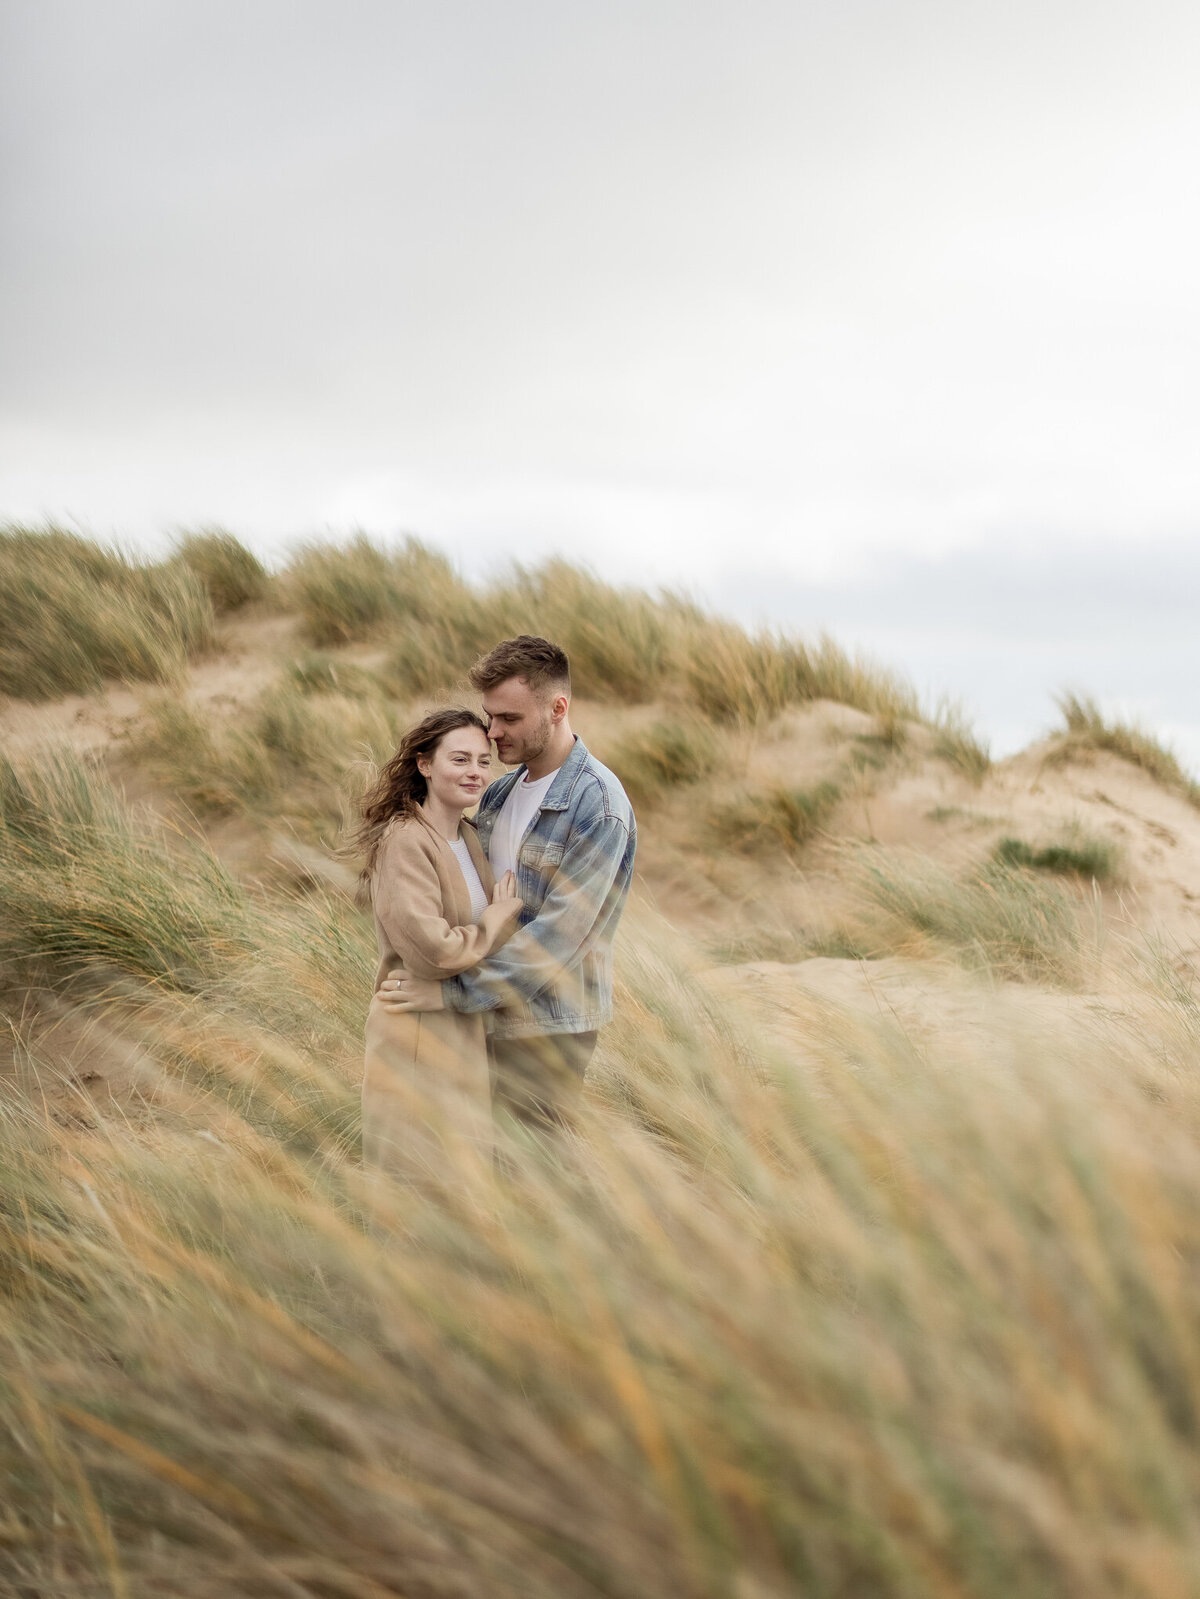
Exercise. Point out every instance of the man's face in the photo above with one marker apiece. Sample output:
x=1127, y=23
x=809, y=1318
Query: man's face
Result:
x=519, y=719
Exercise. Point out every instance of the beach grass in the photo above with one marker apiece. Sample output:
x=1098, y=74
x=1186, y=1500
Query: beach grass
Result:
x=859, y=1319
x=74, y=613
x=232, y=574
x=1088, y=729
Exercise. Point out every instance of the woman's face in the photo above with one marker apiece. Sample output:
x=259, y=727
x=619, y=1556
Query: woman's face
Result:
x=459, y=769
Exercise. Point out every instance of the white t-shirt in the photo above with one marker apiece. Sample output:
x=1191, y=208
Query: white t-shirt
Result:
x=521, y=805
x=475, y=889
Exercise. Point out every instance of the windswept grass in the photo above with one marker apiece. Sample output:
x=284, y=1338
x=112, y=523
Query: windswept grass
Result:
x=320, y=672
x=432, y=657
x=232, y=574
x=73, y=613
x=102, y=902
x=771, y=941
x=855, y=1321
x=624, y=644
x=287, y=757
x=214, y=767
x=1088, y=729
x=775, y=817
x=320, y=737
x=739, y=678
x=352, y=591
x=999, y=918
x=88, y=889
x=959, y=745
x=875, y=751
x=652, y=762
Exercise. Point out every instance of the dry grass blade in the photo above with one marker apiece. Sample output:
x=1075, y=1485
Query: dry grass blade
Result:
x=1088, y=729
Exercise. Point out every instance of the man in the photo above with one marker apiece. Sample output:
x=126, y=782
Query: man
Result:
x=563, y=824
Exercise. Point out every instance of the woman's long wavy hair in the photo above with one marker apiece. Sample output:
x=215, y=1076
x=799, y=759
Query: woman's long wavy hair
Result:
x=400, y=786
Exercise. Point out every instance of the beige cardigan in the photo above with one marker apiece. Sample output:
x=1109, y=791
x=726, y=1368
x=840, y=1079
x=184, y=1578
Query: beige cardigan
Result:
x=422, y=906
x=425, y=1083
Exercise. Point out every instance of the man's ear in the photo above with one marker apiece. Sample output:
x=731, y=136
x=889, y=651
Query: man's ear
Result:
x=560, y=705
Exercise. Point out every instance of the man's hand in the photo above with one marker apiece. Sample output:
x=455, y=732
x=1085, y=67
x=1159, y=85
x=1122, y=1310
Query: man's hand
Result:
x=400, y=990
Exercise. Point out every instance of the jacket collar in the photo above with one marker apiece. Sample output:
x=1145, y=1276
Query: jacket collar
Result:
x=558, y=795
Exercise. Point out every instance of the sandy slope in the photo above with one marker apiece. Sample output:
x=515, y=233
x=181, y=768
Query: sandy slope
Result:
x=1028, y=795
x=250, y=651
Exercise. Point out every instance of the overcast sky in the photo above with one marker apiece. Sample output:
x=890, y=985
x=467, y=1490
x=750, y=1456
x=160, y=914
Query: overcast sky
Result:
x=882, y=317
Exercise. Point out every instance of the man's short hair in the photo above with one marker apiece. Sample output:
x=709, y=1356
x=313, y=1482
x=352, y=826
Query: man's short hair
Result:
x=542, y=664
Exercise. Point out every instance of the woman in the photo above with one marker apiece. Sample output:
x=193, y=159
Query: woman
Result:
x=437, y=912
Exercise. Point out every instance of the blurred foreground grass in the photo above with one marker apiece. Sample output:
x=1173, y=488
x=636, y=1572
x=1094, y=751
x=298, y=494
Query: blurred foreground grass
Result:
x=811, y=1306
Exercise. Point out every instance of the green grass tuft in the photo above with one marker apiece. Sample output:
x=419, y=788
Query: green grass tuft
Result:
x=431, y=658
x=1097, y=859
x=288, y=760
x=322, y=736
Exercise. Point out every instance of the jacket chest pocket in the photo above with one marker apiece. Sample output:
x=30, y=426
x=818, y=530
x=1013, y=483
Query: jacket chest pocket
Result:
x=541, y=855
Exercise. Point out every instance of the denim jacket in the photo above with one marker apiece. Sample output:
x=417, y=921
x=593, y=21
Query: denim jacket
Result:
x=554, y=975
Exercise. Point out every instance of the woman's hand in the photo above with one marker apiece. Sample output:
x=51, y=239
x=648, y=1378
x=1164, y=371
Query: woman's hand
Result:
x=505, y=901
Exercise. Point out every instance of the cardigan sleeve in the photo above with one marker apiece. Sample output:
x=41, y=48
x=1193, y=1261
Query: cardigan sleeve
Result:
x=407, y=897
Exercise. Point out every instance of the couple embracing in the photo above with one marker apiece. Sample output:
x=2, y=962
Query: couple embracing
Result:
x=495, y=935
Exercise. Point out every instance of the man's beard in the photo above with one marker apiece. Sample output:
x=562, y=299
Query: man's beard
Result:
x=537, y=742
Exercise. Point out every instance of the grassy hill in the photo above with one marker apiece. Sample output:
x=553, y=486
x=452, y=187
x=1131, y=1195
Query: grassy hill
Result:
x=870, y=1273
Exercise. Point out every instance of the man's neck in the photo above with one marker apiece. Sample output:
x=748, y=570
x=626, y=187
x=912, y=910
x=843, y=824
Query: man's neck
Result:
x=553, y=756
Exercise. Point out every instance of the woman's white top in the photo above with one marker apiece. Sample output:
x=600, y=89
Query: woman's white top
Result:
x=462, y=855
